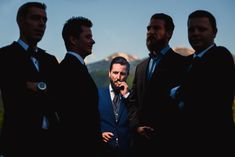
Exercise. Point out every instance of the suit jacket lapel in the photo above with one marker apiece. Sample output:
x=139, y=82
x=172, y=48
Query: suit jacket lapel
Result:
x=144, y=70
x=23, y=57
x=161, y=65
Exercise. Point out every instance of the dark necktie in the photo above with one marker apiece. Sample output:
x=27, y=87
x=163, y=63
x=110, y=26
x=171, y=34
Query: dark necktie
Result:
x=116, y=105
x=34, y=57
x=115, y=99
x=155, y=61
x=196, y=60
x=32, y=52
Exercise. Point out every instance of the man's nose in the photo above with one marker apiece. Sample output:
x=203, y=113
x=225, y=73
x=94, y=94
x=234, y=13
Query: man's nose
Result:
x=119, y=76
x=42, y=22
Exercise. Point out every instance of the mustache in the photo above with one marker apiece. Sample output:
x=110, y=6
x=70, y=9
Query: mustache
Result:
x=117, y=81
x=151, y=38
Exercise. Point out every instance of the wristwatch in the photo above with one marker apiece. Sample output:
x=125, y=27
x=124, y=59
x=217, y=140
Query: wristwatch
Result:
x=41, y=86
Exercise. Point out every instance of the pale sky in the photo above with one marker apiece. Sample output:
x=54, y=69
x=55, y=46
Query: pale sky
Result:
x=119, y=25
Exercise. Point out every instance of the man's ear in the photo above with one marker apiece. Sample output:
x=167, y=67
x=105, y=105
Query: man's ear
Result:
x=169, y=34
x=73, y=40
x=215, y=32
x=20, y=21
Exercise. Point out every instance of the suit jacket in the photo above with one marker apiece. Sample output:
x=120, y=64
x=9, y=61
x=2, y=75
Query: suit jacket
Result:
x=120, y=129
x=24, y=109
x=152, y=100
x=78, y=96
x=152, y=96
x=208, y=94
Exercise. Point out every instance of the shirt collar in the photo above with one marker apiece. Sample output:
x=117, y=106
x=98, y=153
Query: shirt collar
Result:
x=77, y=56
x=111, y=89
x=24, y=45
x=161, y=53
x=200, y=54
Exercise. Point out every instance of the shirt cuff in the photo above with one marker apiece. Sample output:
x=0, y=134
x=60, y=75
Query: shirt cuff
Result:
x=126, y=95
x=173, y=92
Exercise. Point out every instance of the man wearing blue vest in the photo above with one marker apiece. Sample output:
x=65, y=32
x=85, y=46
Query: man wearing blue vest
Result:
x=113, y=111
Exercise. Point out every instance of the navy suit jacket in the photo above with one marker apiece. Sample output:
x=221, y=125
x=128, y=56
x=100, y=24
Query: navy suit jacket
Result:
x=120, y=128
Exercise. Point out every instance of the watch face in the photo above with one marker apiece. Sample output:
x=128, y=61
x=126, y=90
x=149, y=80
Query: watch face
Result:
x=42, y=85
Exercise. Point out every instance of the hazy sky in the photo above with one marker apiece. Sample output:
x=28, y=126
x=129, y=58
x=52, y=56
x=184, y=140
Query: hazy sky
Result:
x=119, y=25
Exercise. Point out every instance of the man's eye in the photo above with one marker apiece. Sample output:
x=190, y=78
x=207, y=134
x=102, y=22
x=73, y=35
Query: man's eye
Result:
x=148, y=28
x=153, y=27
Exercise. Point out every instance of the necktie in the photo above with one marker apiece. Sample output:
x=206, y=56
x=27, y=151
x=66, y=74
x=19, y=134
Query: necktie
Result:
x=155, y=62
x=115, y=99
x=34, y=57
x=32, y=52
x=116, y=105
x=196, y=60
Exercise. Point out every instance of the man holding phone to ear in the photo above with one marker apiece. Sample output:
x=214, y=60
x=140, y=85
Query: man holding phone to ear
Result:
x=113, y=112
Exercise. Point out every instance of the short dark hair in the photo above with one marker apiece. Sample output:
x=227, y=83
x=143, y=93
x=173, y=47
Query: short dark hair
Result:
x=73, y=27
x=169, y=24
x=204, y=13
x=120, y=60
x=24, y=9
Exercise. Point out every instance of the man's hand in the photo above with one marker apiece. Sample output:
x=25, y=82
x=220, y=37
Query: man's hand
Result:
x=145, y=131
x=123, y=87
x=107, y=136
x=33, y=86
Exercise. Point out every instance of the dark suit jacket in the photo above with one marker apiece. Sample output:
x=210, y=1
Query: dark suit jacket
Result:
x=208, y=94
x=154, y=106
x=78, y=105
x=24, y=109
x=120, y=129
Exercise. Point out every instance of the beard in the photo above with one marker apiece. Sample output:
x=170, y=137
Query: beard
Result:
x=154, y=44
x=115, y=88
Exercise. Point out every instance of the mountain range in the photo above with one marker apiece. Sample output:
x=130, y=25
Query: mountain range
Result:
x=99, y=70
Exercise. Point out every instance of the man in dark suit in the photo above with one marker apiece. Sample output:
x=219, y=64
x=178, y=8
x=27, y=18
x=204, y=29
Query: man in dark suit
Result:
x=113, y=111
x=207, y=92
x=152, y=112
x=25, y=85
x=78, y=94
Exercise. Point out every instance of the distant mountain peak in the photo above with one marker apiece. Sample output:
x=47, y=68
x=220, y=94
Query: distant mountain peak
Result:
x=128, y=57
x=184, y=51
